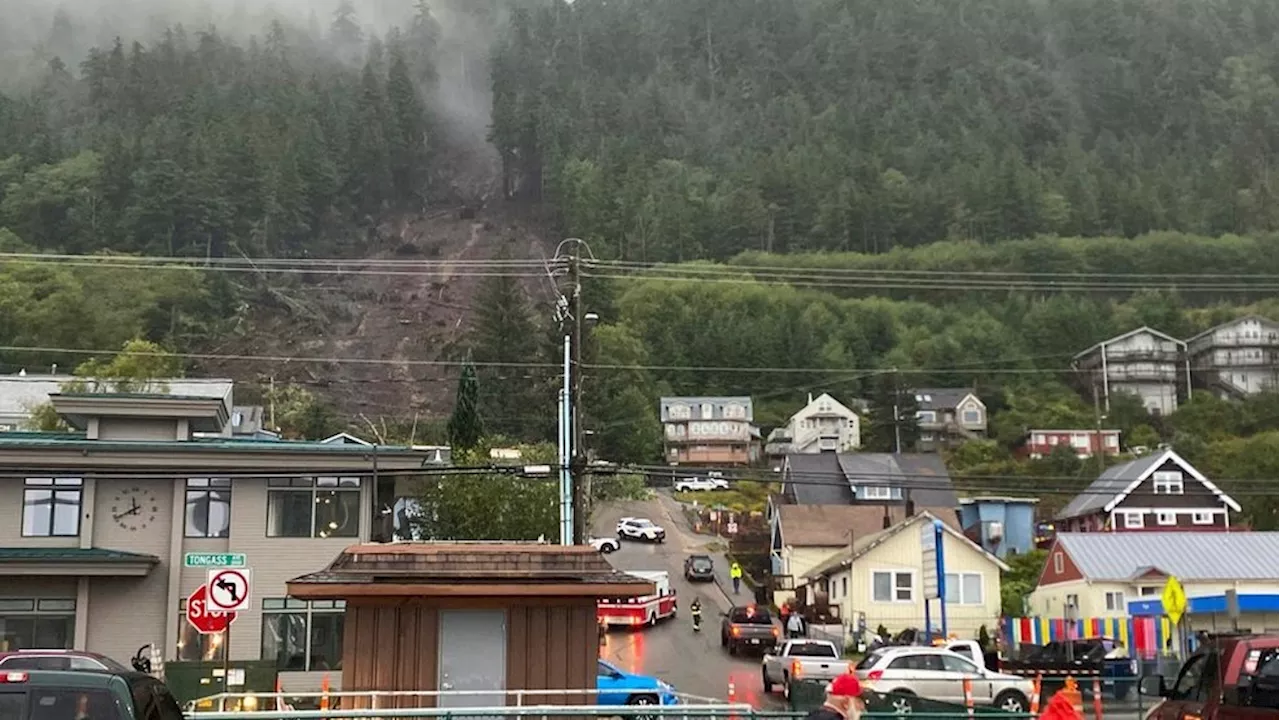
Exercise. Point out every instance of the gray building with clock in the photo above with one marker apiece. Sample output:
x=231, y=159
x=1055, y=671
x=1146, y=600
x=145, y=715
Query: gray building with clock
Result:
x=98, y=521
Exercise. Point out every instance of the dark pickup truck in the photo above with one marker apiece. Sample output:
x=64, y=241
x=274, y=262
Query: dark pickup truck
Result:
x=1084, y=659
x=76, y=694
x=1227, y=678
x=749, y=626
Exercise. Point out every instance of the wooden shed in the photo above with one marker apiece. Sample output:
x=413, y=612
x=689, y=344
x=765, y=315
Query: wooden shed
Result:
x=488, y=617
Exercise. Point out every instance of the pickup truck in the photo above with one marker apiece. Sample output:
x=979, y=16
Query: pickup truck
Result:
x=105, y=694
x=1227, y=678
x=748, y=626
x=801, y=660
x=1084, y=659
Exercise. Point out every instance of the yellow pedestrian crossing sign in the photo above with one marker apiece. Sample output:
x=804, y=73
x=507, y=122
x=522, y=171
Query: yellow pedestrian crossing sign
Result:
x=1174, y=600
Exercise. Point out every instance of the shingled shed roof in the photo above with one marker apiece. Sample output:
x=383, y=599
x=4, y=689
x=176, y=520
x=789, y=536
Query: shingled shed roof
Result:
x=468, y=569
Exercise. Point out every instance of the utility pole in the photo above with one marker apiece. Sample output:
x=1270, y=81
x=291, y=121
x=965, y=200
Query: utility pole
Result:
x=577, y=459
x=1100, y=451
x=897, y=428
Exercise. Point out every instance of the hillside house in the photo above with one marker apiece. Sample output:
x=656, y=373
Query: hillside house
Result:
x=708, y=431
x=1160, y=491
x=1083, y=442
x=1237, y=358
x=1144, y=362
x=1001, y=525
x=823, y=424
x=948, y=417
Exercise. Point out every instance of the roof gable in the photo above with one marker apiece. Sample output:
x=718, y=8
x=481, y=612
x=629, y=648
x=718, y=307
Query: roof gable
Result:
x=1131, y=333
x=943, y=398
x=868, y=544
x=1118, y=481
x=1171, y=456
x=343, y=438
x=814, y=406
x=1264, y=321
x=834, y=525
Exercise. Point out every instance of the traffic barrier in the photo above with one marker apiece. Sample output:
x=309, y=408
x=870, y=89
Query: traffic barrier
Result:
x=1071, y=692
x=1097, y=698
x=1035, y=694
x=1145, y=636
x=968, y=696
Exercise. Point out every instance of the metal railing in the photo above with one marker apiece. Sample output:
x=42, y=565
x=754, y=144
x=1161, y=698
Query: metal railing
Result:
x=382, y=699
x=627, y=712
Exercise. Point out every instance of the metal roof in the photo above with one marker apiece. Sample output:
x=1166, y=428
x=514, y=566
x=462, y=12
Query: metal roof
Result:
x=1110, y=483
x=942, y=398
x=1184, y=555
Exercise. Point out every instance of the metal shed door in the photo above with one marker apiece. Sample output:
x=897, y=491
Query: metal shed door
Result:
x=473, y=657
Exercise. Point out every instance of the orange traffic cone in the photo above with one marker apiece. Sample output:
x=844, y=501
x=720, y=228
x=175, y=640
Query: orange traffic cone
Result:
x=324, y=692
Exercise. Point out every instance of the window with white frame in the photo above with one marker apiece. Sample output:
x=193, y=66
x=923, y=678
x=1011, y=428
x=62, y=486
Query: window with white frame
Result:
x=926, y=416
x=51, y=507
x=1115, y=601
x=964, y=588
x=301, y=635
x=1148, y=591
x=971, y=416
x=1167, y=482
x=678, y=412
x=1202, y=518
x=877, y=492
x=1057, y=562
x=1133, y=520
x=1166, y=518
x=892, y=586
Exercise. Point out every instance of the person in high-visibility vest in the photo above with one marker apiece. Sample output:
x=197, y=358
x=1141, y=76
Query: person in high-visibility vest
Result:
x=735, y=574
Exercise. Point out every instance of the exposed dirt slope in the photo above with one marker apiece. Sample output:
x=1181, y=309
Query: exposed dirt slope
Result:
x=400, y=318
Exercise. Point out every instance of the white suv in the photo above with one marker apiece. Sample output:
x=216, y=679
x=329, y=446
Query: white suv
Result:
x=630, y=528
x=697, y=484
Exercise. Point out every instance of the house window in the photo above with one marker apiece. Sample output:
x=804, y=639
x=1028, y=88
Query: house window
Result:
x=1167, y=482
x=1115, y=601
x=964, y=588
x=1057, y=562
x=1148, y=591
x=194, y=645
x=892, y=586
x=844, y=587
x=678, y=412
x=926, y=416
x=971, y=417
x=1133, y=520
x=1073, y=601
x=48, y=623
x=735, y=411
x=1202, y=518
x=299, y=635
x=319, y=507
x=706, y=411
x=877, y=492
x=51, y=507
x=1166, y=518
x=208, y=507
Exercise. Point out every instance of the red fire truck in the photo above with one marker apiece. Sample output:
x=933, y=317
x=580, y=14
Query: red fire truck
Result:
x=646, y=610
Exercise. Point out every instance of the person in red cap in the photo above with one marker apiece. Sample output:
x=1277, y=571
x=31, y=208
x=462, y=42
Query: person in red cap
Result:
x=844, y=700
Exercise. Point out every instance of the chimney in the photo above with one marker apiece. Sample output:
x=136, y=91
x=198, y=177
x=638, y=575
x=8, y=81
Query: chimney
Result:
x=887, y=521
x=810, y=399
x=911, y=505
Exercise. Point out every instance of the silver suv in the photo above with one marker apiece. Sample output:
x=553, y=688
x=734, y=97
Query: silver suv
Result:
x=905, y=673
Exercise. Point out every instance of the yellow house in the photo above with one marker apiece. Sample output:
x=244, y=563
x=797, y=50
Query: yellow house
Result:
x=1102, y=573
x=880, y=579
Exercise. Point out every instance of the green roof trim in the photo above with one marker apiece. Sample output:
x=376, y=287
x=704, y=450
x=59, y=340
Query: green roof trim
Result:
x=72, y=555
x=135, y=396
x=78, y=441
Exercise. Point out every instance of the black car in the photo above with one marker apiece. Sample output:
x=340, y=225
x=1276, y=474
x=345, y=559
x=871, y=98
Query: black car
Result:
x=699, y=568
x=97, y=694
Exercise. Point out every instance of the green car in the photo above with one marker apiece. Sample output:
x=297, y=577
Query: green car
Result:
x=72, y=694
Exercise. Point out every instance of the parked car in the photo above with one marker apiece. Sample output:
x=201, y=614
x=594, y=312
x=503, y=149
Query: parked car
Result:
x=615, y=687
x=97, y=694
x=699, y=568
x=748, y=626
x=906, y=672
x=605, y=545
x=798, y=660
x=631, y=528
x=1227, y=678
x=701, y=484
x=38, y=659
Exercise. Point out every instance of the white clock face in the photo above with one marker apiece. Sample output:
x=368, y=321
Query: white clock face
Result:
x=134, y=508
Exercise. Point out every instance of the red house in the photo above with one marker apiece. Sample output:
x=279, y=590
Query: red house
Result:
x=1084, y=443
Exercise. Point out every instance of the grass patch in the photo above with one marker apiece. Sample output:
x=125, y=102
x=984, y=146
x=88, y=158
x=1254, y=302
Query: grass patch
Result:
x=745, y=496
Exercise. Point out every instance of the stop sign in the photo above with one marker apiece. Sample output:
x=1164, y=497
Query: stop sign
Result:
x=202, y=617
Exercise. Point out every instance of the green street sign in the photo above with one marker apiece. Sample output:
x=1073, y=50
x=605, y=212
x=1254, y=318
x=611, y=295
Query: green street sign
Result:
x=216, y=560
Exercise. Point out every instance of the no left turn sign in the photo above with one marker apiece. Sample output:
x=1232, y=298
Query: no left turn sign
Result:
x=228, y=590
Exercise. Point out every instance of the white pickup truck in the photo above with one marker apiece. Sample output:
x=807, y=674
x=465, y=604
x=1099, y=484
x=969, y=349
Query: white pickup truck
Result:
x=802, y=660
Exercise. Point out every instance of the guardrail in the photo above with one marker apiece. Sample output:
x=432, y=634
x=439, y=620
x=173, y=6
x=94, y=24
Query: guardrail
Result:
x=674, y=712
x=384, y=699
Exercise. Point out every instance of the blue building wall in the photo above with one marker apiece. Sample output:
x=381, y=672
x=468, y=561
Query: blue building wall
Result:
x=1016, y=516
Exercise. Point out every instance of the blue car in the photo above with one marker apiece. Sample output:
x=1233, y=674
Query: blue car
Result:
x=615, y=687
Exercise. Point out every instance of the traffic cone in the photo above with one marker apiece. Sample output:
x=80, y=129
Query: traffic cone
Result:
x=968, y=695
x=733, y=698
x=1035, y=694
x=1070, y=693
x=324, y=692
x=1097, y=698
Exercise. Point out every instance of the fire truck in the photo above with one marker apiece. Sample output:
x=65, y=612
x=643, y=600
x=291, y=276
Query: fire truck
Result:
x=646, y=610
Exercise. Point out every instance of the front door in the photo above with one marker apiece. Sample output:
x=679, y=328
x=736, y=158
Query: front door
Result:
x=473, y=658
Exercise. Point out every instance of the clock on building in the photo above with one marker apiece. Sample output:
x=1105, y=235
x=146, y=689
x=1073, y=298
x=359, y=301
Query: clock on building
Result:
x=134, y=508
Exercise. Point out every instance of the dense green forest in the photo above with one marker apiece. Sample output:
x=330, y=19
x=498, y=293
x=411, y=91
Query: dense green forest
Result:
x=675, y=129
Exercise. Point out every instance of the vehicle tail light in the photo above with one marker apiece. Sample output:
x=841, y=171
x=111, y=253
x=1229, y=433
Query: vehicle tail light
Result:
x=875, y=675
x=775, y=632
x=795, y=669
x=13, y=677
x=736, y=631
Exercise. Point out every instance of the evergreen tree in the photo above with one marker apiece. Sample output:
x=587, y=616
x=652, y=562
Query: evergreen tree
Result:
x=407, y=133
x=466, y=427
x=891, y=417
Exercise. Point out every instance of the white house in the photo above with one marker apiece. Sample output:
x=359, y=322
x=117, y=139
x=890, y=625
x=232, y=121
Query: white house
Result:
x=1144, y=362
x=824, y=424
x=882, y=576
x=1236, y=358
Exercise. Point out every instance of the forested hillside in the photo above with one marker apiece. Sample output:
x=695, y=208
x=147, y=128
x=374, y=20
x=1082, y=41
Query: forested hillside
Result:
x=674, y=129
